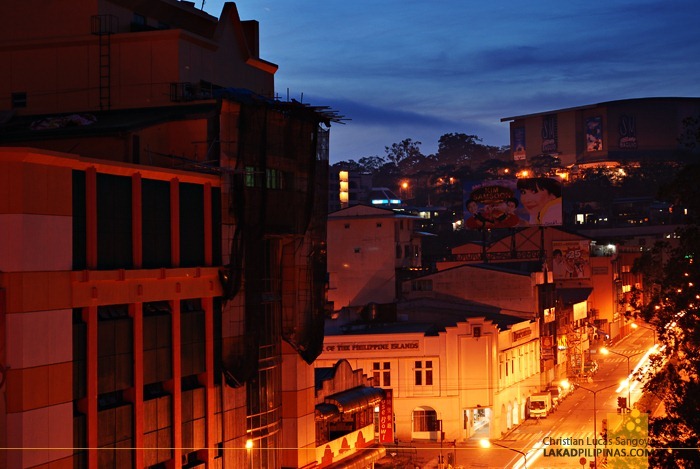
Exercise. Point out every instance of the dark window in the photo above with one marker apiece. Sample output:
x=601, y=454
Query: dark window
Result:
x=114, y=242
x=156, y=223
x=114, y=349
x=425, y=421
x=192, y=338
x=216, y=225
x=424, y=374
x=157, y=342
x=387, y=374
x=191, y=225
x=79, y=222
x=19, y=100
x=376, y=374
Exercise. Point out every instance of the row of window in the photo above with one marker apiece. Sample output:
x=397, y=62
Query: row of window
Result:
x=115, y=223
x=423, y=373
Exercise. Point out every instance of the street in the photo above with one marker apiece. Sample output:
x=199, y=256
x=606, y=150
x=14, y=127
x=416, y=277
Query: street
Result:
x=564, y=439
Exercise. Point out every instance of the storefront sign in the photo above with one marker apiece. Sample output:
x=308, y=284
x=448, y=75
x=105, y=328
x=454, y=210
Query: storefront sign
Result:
x=386, y=418
x=372, y=346
x=521, y=334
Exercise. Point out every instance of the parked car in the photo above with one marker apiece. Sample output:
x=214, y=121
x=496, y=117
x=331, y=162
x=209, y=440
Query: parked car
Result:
x=557, y=395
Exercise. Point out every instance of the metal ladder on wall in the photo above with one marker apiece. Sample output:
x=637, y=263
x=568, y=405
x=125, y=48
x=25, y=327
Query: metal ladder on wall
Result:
x=103, y=26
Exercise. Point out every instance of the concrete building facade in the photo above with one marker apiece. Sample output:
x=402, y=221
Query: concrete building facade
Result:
x=622, y=130
x=163, y=243
x=449, y=365
x=368, y=247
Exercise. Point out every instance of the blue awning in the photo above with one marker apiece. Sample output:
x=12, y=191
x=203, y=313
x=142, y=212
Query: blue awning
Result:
x=356, y=399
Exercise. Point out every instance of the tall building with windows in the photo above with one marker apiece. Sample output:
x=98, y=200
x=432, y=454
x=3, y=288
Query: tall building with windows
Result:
x=162, y=251
x=612, y=131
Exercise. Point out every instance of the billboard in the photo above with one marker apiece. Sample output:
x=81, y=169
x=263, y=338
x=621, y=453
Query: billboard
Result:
x=386, y=418
x=594, y=134
x=509, y=203
x=571, y=259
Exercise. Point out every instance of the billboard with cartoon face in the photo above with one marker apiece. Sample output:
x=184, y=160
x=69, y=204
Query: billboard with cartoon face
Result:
x=508, y=203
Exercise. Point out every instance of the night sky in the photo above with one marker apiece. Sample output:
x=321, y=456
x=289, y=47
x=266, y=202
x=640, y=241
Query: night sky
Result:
x=410, y=69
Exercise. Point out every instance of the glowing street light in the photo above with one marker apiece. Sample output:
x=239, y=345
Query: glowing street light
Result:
x=486, y=443
x=248, y=448
x=606, y=351
x=653, y=330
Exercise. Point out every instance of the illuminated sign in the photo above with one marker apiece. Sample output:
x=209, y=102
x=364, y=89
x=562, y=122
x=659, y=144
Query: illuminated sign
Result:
x=386, y=418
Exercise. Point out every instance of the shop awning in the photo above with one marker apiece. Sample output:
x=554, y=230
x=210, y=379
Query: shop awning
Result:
x=325, y=411
x=356, y=399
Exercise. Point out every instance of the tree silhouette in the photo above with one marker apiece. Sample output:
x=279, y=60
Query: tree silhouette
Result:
x=672, y=278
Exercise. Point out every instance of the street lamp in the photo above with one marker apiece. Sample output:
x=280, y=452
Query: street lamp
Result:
x=248, y=448
x=653, y=330
x=606, y=351
x=595, y=428
x=486, y=443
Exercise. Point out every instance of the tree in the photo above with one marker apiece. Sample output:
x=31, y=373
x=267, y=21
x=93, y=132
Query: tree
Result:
x=674, y=309
x=459, y=150
x=405, y=150
x=544, y=164
x=371, y=164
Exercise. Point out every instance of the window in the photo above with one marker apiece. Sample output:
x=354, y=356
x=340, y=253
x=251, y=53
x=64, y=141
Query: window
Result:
x=250, y=176
x=425, y=420
x=114, y=223
x=476, y=331
x=422, y=285
x=398, y=251
x=347, y=226
x=381, y=370
x=424, y=373
x=191, y=225
x=155, y=222
x=379, y=225
x=275, y=179
x=19, y=100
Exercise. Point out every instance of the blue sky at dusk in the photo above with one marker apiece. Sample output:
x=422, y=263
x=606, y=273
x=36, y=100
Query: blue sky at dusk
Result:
x=410, y=69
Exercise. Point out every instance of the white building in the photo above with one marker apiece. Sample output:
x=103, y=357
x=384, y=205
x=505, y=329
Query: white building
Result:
x=459, y=366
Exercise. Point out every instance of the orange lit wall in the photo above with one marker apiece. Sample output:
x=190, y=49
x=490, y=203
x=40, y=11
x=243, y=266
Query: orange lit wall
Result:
x=43, y=292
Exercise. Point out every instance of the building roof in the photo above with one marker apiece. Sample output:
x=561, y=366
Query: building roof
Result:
x=427, y=316
x=570, y=296
x=604, y=103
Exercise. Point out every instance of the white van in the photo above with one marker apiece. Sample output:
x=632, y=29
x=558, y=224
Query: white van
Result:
x=540, y=404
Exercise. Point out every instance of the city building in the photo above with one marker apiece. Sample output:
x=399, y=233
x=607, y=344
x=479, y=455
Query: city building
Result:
x=345, y=417
x=346, y=188
x=613, y=131
x=370, y=250
x=162, y=257
x=456, y=367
